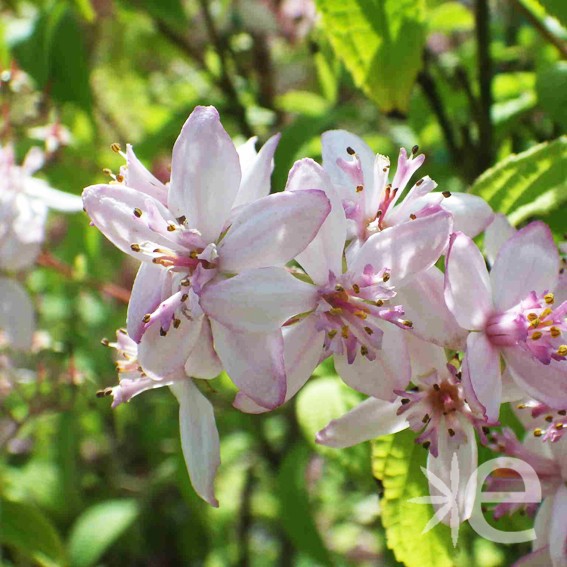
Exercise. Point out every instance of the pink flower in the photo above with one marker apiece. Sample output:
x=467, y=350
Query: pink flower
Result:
x=512, y=313
x=373, y=203
x=437, y=410
x=215, y=224
x=199, y=434
x=349, y=313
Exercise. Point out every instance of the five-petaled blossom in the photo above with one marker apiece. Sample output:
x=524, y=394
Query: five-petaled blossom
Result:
x=510, y=312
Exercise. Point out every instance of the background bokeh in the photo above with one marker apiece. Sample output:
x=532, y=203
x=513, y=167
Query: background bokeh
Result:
x=83, y=485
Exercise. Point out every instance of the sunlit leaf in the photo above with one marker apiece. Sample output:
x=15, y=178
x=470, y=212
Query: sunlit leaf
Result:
x=396, y=463
x=27, y=530
x=526, y=184
x=557, y=9
x=450, y=17
x=98, y=528
x=551, y=91
x=380, y=43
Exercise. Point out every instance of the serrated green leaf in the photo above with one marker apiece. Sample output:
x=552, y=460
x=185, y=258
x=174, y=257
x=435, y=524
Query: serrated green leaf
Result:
x=397, y=462
x=527, y=184
x=98, y=528
x=26, y=529
x=295, y=512
x=380, y=43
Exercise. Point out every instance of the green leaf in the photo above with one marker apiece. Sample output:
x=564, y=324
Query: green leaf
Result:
x=551, y=92
x=557, y=9
x=320, y=401
x=527, y=184
x=295, y=511
x=397, y=462
x=98, y=528
x=450, y=17
x=27, y=530
x=380, y=43
x=302, y=102
x=169, y=11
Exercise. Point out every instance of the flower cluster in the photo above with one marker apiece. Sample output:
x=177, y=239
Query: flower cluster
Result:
x=344, y=263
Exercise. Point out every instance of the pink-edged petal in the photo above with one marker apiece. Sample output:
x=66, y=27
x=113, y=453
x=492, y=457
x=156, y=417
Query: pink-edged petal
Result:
x=467, y=285
x=539, y=558
x=139, y=178
x=546, y=383
x=465, y=455
x=496, y=234
x=406, y=249
x=558, y=531
x=203, y=361
x=511, y=392
x=161, y=355
x=247, y=154
x=273, y=230
x=424, y=305
x=205, y=173
x=111, y=209
x=199, y=438
x=17, y=317
x=482, y=380
x=256, y=172
x=391, y=370
x=258, y=300
x=528, y=261
x=147, y=294
x=303, y=345
x=325, y=252
x=542, y=524
x=254, y=362
x=471, y=214
x=53, y=198
x=372, y=418
x=334, y=147
x=131, y=387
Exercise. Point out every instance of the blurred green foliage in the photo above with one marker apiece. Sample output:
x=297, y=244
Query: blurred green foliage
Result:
x=82, y=484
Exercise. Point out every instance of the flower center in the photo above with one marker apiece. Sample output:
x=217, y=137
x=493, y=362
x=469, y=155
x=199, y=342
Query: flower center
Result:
x=350, y=308
x=535, y=324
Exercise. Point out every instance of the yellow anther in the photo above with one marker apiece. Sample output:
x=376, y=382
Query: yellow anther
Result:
x=531, y=316
x=116, y=148
x=368, y=330
x=407, y=323
x=146, y=318
x=345, y=332
x=120, y=178
x=135, y=247
x=386, y=277
x=335, y=311
x=193, y=254
x=554, y=332
x=359, y=188
x=545, y=313
x=363, y=350
x=549, y=298
x=176, y=323
x=184, y=297
x=170, y=227
x=412, y=217
x=107, y=171
x=536, y=335
x=379, y=303
x=559, y=426
x=360, y=314
x=562, y=350
x=332, y=333
x=538, y=432
x=137, y=212
x=356, y=288
x=339, y=287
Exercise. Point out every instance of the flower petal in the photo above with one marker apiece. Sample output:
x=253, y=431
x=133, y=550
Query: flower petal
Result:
x=256, y=172
x=138, y=177
x=481, y=376
x=391, y=370
x=496, y=234
x=424, y=305
x=558, y=531
x=53, y=198
x=372, y=418
x=467, y=286
x=17, y=316
x=147, y=294
x=199, y=438
x=546, y=383
x=273, y=230
x=254, y=362
x=203, y=361
x=425, y=357
x=325, y=252
x=406, y=249
x=528, y=261
x=205, y=173
x=111, y=209
x=161, y=355
x=471, y=213
x=258, y=300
